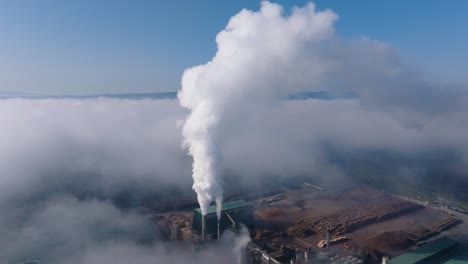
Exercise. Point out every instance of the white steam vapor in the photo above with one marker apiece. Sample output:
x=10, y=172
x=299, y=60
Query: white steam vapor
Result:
x=240, y=243
x=65, y=161
x=256, y=52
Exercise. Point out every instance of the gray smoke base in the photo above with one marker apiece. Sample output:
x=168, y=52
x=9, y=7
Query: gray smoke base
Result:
x=240, y=244
x=68, y=231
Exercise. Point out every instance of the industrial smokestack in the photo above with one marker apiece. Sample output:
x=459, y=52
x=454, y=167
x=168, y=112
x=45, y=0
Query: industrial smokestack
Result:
x=328, y=237
x=384, y=260
x=175, y=231
x=203, y=228
x=219, y=208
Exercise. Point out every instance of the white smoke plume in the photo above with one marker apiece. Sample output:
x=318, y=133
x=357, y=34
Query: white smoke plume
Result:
x=254, y=63
x=240, y=243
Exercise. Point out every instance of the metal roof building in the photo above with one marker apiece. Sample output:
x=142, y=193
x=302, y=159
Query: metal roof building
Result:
x=441, y=251
x=233, y=213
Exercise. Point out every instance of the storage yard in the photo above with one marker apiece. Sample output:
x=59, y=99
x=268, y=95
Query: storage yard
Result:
x=313, y=224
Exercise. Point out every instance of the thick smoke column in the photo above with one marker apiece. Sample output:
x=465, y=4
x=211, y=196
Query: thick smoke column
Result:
x=257, y=52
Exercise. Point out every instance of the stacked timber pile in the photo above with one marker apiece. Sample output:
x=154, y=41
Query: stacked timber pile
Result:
x=438, y=228
x=347, y=220
x=323, y=243
x=446, y=224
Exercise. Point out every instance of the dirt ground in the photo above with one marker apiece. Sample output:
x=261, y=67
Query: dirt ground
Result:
x=312, y=203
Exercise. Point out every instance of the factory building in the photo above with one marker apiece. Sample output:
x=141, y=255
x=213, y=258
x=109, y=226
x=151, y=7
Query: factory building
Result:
x=441, y=251
x=233, y=214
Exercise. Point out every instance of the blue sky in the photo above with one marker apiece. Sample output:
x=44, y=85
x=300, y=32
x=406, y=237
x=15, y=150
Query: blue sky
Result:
x=112, y=46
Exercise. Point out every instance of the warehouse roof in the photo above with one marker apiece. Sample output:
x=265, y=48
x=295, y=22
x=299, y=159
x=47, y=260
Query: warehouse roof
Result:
x=427, y=251
x=226, y=206
x=458, y=257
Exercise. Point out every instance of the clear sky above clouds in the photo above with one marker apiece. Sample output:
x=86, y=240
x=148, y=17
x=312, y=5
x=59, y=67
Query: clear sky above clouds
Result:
x=112, y=46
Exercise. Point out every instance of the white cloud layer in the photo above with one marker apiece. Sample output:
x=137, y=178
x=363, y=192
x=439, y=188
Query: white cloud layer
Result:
x=54, y=150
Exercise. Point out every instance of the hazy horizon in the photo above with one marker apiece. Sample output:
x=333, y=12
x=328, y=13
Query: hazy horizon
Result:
x=64, y=48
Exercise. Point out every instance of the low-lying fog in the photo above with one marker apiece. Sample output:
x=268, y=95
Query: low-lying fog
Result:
x=63, y=160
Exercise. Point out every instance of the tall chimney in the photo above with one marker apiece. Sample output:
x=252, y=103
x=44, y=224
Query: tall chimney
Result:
x=384, y=260
x=203, y=228
x=218, y=230
x=175, y=231
x=328, y=237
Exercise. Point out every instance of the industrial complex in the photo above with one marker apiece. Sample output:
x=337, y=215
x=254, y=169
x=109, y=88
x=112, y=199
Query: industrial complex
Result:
x=316, y=224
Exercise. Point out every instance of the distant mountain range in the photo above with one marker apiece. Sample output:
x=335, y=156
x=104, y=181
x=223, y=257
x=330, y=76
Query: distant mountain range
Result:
x=134, y=96
x=322, y=95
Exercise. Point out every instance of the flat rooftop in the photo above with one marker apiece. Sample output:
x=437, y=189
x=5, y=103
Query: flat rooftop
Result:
x=444, y=250
x=226, y=206
x=460, y=256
